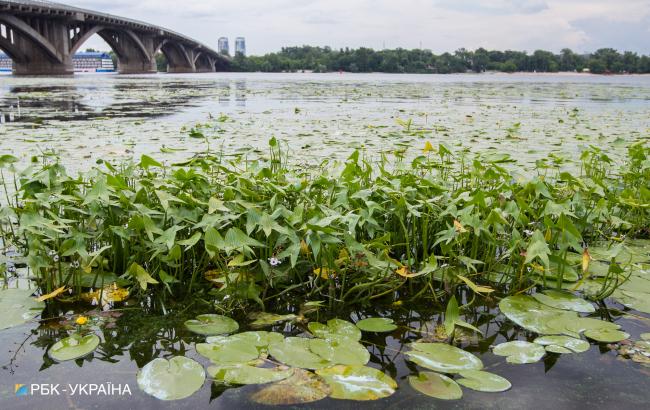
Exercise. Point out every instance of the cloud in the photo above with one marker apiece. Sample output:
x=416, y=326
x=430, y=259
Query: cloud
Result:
x=441, y=25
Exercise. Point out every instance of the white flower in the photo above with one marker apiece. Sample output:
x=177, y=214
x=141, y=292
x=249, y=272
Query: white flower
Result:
x=274, y=261
x=55, y=258
x=75, y=264
x=528, y=232
x=94, y=302
x=51, y=252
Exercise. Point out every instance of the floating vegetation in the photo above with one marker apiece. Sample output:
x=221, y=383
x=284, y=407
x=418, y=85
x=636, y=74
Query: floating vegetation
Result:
x=73, y=347
x=17, y=307
x=173, y=379
x=357, y=382
x=520, y=352
x=210, y=324
x=562, y=344
x=302, y=387
x=376, y=324
x=245, y=374
x=483, y=381
x=443, y=358
x=436, y=385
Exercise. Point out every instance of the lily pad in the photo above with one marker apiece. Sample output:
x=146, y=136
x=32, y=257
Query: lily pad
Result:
x=528, y=313
x=520, y=352
x=564, y=300
x=302, y=387
x=335, y=328
x=73, y=347
x=295, y=352
x=606, y=335
x=245, y=374
x=436, y=385
x=17, y=307
x=574, y=326
x=228, y=351
x=172, y=379
x=483, y=381
x=566, y=343
x=260, y=339
x=340, y=351
x=443, y=358
x=645, y=336
x=357, y=382
x=376, y=324
x=211, y=324
x=264, y=319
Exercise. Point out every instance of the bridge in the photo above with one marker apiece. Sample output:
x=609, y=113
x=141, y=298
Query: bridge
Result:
x=41, y=37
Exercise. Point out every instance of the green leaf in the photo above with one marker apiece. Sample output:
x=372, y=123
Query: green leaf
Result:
x=245, y=374
x=73, y=347
x=17, y=307
x=138, y=273
x=172, y=379
x=436, y=385
x=483, y=381
x=376, y=324
x=212, y=324
x=443, y=358
x=452, y=315
x=537, y=248
x=519, y=352
x=303, y=387
x=146, y=162
x=357, y=382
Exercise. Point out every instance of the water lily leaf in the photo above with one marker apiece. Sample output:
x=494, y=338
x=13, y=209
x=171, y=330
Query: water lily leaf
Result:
x=376, y=324
x=436, y=385
x=173, y=379
x=302, y=387
x=557, y=349
x=571, y=344
x=340, y=351
x=228, y=351
x=17, y=307
x=295, y=352
x=564, y=300
x=73, y=347
x=211, y=324
x=335, y=328
x=245, y=374
x=528, y=313
x=357, y=382
x=259, y=339
x=520, y=352
x=263, y=319
x=483, y=381
x=645, y=336
x=443, y=358
x=606, y=335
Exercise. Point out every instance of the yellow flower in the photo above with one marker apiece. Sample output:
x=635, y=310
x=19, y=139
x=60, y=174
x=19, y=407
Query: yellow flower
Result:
x=81, y=320
x=427, y=147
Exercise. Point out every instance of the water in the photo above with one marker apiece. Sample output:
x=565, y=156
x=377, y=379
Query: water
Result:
x=320, y=116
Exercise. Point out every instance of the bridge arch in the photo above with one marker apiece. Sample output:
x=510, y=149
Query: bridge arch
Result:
x=178, y=57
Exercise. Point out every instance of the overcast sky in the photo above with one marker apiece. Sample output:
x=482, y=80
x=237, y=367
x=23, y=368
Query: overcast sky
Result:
x=439, y=25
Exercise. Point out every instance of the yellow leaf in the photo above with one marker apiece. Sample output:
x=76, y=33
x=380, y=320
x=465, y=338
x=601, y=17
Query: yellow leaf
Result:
x=586, y=257
x=427, y=147
x=304, y=248
x=547, y=235
x=476, y=288
x=108, y=294
x=325, y=273
x=404, y=272
x=52, y=294
x=459, y=227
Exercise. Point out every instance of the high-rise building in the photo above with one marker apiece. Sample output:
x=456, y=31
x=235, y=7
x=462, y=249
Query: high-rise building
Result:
x=240, y=45
x=223, y=46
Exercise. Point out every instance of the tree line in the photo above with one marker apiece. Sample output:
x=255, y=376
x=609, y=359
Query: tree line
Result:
x=364, y=60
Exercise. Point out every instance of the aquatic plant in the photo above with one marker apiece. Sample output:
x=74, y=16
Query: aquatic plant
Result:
x=236, y=231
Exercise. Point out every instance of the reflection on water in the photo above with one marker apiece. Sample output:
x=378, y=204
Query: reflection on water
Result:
x=132, y=337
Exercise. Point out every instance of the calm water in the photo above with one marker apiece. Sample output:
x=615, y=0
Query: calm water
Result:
x=320, y=116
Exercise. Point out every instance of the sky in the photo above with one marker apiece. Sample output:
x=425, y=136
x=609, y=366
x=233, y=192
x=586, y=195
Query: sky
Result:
x=438, y=25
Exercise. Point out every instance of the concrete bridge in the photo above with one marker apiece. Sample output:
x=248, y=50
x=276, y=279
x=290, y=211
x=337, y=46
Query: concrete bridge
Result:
x=41, y=38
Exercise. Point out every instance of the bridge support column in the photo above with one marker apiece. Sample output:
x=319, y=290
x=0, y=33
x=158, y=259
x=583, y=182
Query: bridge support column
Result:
x=38, y=46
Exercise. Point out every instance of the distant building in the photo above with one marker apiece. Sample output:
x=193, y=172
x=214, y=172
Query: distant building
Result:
x=240, y=45
x=223, y=47
x=87, y=62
